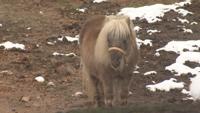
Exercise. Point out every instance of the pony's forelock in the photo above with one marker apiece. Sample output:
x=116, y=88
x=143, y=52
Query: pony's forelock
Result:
x=116, y=27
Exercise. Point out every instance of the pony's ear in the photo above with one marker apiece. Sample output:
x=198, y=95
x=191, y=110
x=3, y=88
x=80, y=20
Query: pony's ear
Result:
x=128, y=20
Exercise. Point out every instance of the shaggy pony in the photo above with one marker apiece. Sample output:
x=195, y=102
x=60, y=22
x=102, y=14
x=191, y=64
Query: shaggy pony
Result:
x=108, y=56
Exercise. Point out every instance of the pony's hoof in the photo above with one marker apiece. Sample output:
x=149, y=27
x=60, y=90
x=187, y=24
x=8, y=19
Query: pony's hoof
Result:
x=108, y=103
x=124, y=101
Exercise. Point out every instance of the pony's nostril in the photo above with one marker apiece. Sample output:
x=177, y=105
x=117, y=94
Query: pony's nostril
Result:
x=115, y=60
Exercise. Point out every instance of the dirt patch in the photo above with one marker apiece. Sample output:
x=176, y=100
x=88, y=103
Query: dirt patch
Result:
x=37, y=22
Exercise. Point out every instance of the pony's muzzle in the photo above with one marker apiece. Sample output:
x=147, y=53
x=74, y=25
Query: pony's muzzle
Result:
x=117, y=56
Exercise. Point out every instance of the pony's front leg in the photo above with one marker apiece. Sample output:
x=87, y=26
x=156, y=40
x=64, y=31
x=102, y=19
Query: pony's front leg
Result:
x=108, y=90
x=96, y=92
x=124, y=89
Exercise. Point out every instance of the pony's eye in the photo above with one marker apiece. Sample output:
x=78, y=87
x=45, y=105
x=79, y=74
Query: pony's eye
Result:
x=124, y=42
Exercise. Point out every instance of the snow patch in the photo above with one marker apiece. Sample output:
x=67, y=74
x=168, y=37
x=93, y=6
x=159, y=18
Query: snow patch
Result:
x=183, y=20
x=181, y=46
x=99, y=1
x=179, y=67
x=150, y=73
x=61, y=54
x=146, y=42
x=195, y=87
x=193, y=23
x=153, y=13
x=78, y=94
x=81, y=9
x=69, y=39
x=185, y=30
x=10, y=45
x=166, y=85
x=137, y=28
x=150, y=32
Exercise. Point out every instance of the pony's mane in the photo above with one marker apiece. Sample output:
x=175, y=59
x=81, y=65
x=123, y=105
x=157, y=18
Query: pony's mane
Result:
x=117, y=27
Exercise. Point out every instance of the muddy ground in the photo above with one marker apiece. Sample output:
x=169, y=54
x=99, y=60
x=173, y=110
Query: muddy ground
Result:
x=36, y=22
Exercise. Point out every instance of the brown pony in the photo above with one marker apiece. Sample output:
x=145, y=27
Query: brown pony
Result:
x=108, y=56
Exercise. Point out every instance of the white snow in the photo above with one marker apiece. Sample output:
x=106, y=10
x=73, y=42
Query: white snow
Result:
x=180, y=46
x=70, y=39
x=151, y=31
x=136, y=72
x=10, y=45
x=78, y=94
x=193, y=23
x=157, y=54
x=195, y=87
x=150, y=73
x=62, y=54
x=137, y=28
x=184, y=91
x=189, y=56
x=28, y=28
x=185, y=30
x=179, y=66
x=153, y=13
x=146, y=42
x=99, y=1
x=183, y=20
x=166, y=85
x=40, y=79
x=81, y=9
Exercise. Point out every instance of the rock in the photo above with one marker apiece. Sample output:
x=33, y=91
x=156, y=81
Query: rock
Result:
x=40, y=79
x=25, y=99
x=50, y=84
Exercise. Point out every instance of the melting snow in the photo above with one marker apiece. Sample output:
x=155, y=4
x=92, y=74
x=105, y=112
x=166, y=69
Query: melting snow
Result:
x=166, y=85
x=10, y=45
x=157, y=54
x=183, y=20
x=153, y=13
x=187, y=30
x=137, y=28
x=180, y=46
x=150, y=73
x=61, y=54
x=195, y=87
x=70, y=39
x=179, y=68
x=99, y=1
x=193, y=23
x=152, y=31
x=81, y=10
x=184, y=91
x=78, y=94
x=136, y=72
x=145, y=42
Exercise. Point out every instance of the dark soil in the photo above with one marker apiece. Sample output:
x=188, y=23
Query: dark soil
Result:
x=49, y=20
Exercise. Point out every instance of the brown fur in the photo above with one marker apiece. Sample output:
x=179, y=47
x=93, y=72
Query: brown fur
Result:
x=102, y=82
